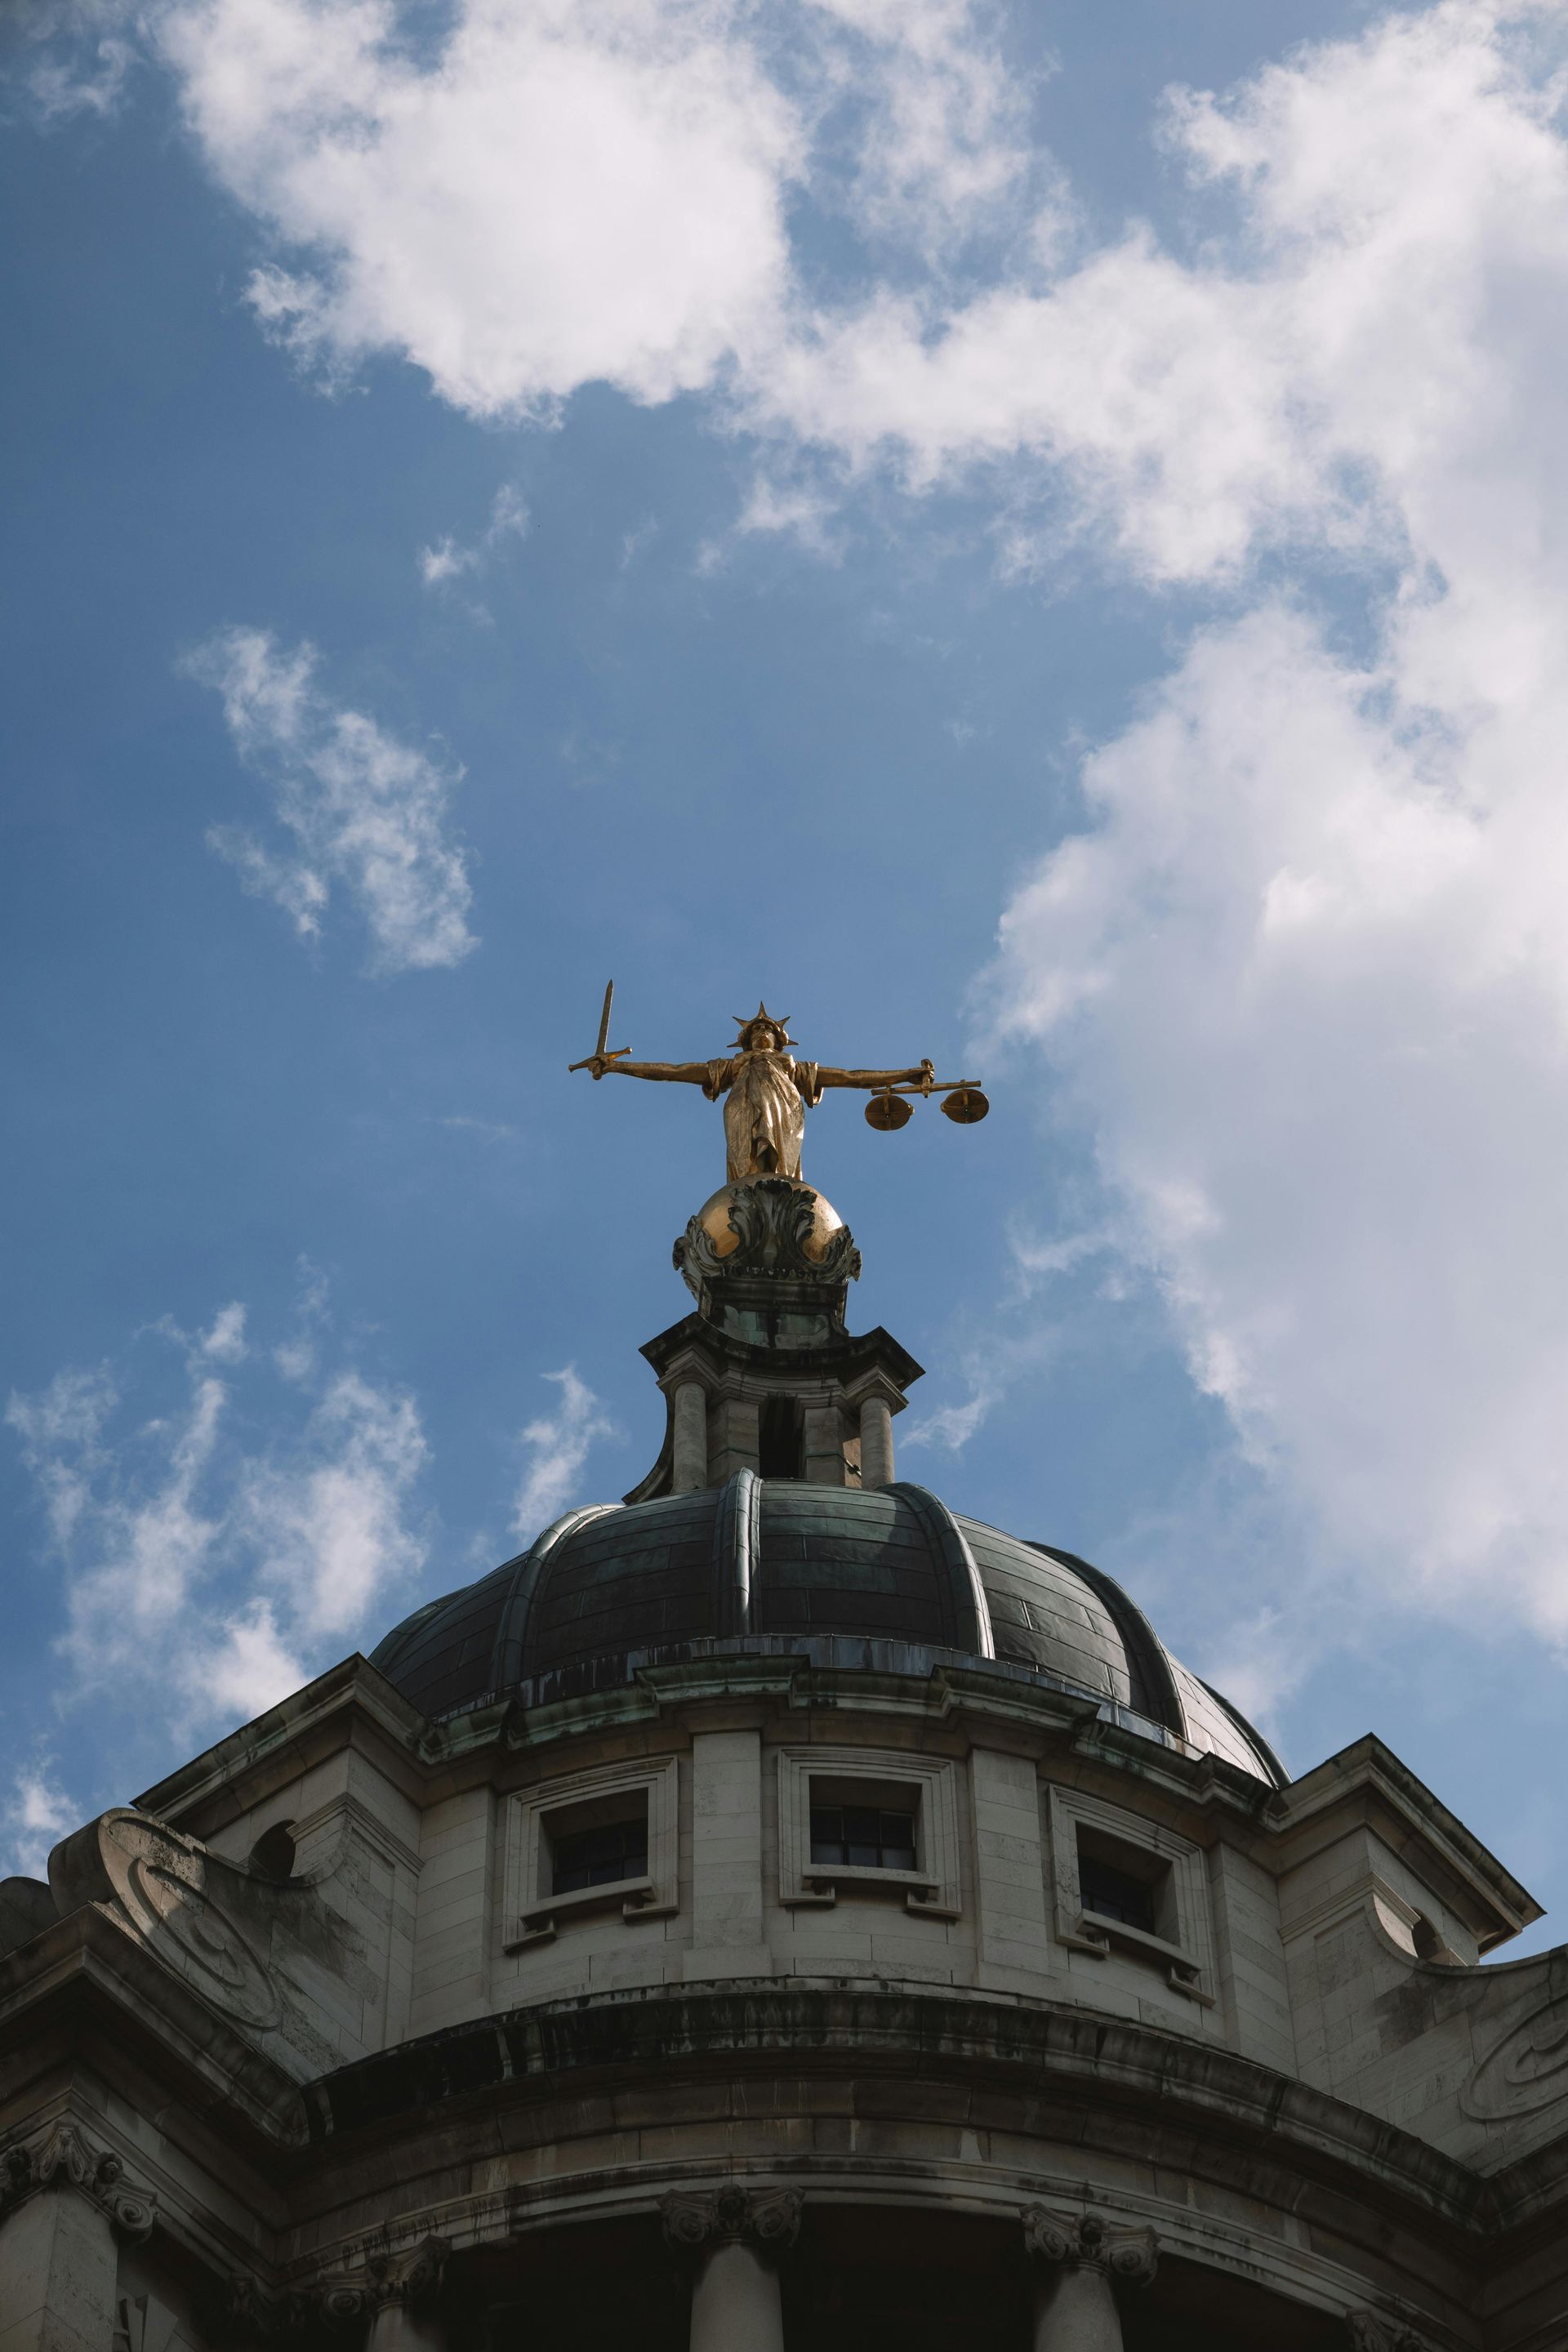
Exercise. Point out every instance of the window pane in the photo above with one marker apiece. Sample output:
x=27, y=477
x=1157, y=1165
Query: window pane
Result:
x=827, y=1833
x=1116, y=1894
x=600, y=1857
x=863, y=1837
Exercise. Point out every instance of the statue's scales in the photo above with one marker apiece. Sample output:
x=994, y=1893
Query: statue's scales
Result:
x=767, y=1092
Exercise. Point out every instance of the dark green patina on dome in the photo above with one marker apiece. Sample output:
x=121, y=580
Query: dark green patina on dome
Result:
x=840, y=1575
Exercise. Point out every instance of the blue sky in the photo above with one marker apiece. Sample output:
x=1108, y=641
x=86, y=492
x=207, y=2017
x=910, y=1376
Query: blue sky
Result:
x=1034, y=536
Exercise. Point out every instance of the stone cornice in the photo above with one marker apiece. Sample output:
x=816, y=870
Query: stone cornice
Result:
x=90, y=1980
x=1109, y=2064
x=350, y=1702
x=62, y=2156
x=1368, y=1780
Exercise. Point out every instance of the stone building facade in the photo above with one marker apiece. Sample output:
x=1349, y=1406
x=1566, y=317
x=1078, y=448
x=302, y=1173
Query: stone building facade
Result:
x=777, y=1911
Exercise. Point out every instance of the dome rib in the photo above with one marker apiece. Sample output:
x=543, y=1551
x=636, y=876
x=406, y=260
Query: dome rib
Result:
x=965, y=1610
x=1154, y=1685
x=737, y=1553
x=510, y=1660
x=611, y=1586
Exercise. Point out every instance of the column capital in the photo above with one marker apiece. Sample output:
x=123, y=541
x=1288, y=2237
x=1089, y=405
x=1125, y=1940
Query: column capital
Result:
x=1369, y=2331
x=410, y=2277
x=63, y=2157
x=768, y=2217
x=1125, y=2252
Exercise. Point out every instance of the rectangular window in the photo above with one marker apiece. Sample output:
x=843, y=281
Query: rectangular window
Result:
x=599, y=1856
x=1115, y=1893
x=864, y=1837
x=1125, y=1885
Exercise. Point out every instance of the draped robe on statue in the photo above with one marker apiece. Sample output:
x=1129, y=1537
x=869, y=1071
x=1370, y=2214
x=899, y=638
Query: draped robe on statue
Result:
x=765, y=1115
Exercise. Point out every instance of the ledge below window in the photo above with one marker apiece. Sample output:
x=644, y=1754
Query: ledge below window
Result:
x=634, y=1896
x=1097, y=1934
x=921, y=1893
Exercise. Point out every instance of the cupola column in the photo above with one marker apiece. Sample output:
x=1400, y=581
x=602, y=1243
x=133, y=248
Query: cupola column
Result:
x=689, y=1468
x=736, y=2236
x=876, y=1443
x=1079, y=2263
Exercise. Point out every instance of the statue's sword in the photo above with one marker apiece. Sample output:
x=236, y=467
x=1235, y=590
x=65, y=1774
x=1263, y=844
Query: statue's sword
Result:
x=599, y=1054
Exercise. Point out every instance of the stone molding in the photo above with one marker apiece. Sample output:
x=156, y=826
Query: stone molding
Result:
x=64, y=2157
x=768, y=2217
x=1369, y=2333
x=1127, y=2252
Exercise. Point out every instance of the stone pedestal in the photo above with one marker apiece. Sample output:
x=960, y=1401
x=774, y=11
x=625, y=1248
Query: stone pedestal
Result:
x=1080, y=2261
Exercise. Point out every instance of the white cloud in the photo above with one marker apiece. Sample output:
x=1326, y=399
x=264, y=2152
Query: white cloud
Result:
x=1306, y=974
x=204, y=1580
x=326, y=1521
x=366, y=813
x=565, y=194
x=34, y=1819
x=448, y=560
x=940, y=135
x=225, y=1343
x=558, y=1446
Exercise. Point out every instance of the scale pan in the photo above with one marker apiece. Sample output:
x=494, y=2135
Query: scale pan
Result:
x=965, y=1103
x=888, y=1113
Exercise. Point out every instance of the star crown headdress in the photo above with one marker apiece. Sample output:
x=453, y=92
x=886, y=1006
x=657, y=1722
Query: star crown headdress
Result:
x=744, y=1026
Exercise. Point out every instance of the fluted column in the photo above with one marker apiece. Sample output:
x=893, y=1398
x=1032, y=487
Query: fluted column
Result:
x=689, y=1466
x=875, y=1444
x=735, y=2236
x=1080, y=2261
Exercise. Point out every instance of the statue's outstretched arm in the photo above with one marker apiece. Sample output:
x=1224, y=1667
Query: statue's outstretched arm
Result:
x=686, y=1074
x=869, y=1081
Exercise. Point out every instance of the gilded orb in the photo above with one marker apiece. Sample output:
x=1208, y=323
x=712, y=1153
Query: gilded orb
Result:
x=713, y=1217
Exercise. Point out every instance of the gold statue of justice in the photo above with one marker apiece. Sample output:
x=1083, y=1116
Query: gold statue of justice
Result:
x=767, y=1092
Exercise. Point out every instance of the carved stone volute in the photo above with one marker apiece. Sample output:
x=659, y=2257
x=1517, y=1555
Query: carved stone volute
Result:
x=766, y=2217
x=1127, y=2253
x=1369, y=2331
x=63, y=2157
x=411, y=2276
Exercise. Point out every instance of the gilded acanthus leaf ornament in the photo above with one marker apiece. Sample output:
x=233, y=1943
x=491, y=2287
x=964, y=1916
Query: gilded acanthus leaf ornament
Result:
x=766, y=1093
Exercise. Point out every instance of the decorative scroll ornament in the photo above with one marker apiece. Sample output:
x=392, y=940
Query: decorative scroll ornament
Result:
x=411, y=2276
x=769, y=2218
x=160, y=1880
x=62, y=2158
x=1526, y=2070
x=1369, y=2333
x=247, y=2313
x=1124, y=2252
x=773, y=1228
